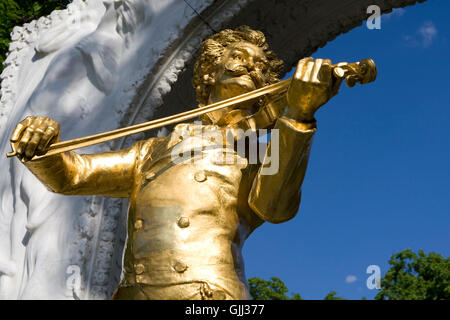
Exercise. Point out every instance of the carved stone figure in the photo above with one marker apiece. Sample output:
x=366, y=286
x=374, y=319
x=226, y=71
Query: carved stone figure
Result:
x=84, y=53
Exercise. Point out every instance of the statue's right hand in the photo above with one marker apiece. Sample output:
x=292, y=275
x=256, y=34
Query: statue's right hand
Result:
x=33, y=135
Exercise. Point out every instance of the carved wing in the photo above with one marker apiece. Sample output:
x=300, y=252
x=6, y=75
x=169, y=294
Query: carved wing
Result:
x=99, y=65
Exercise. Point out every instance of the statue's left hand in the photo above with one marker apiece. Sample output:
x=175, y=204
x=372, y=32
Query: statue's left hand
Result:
x=310, y=88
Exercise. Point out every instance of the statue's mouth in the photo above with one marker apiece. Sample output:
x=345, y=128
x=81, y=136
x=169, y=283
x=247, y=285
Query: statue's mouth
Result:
x=239, y=84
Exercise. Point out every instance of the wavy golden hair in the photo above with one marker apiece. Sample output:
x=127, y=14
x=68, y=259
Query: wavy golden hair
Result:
x=212, y=50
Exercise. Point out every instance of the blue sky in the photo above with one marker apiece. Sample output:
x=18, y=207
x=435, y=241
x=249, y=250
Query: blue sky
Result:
x=378, y=180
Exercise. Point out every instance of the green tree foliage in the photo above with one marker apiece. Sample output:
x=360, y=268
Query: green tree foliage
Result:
x=332, y=296
x=416, y=277
x=411, y=277
x=275, y=289
x=16, y=13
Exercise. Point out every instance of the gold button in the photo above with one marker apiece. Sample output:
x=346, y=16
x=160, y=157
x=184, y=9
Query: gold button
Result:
x=139, y=268
x=183, y=222
x=200, y=176
x=138, y=224
x=180, y=267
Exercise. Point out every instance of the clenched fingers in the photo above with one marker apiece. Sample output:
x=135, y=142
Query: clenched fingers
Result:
x=314, y=71
x=32, y=136
x=49, y=135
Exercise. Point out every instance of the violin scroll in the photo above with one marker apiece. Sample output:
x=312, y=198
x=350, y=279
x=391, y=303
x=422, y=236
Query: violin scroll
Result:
x=361, y=72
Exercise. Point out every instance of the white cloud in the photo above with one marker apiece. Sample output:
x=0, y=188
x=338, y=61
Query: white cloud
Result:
x=428, y=33
x=424, y=37
x=350, y=278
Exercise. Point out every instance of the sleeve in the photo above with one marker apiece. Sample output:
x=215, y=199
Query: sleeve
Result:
x=275, y=194
x=109, y=174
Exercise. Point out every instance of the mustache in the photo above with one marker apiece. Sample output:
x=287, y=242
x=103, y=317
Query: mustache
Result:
x=236, y=70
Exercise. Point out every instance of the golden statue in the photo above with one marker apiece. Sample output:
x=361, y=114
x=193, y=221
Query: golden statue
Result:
x=189, y=219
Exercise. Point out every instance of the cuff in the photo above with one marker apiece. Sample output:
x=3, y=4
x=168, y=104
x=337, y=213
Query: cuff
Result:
x=299, y=125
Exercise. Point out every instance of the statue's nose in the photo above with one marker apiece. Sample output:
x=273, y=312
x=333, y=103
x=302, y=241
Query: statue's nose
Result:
x=250, y=64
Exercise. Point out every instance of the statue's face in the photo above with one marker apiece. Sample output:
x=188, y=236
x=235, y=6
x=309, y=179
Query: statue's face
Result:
x=240, y=70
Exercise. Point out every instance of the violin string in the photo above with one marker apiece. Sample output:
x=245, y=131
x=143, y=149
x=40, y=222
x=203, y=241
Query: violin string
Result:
x=200, y=16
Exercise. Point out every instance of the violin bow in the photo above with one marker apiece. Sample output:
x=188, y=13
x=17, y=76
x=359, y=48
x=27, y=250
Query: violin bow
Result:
x=361, y=72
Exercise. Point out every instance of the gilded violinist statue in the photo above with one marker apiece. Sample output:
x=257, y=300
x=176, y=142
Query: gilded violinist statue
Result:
x=188, y=220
